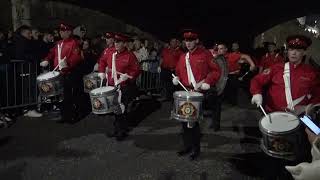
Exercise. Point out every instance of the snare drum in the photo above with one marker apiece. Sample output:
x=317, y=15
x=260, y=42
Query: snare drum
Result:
x=91, y=81
x=280, y=137
x=102, y=99
x=50, y=84
x=187, y=106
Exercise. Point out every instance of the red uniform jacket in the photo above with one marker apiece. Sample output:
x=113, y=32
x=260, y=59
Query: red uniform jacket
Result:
x=303, y=80
x=103, y=58
x=170, y=58
x=70, y=50
x=233, y=59
x=126, y=63
x=202, y=66
x=268, y=60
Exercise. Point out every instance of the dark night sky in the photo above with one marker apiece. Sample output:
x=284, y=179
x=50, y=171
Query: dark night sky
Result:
x=215, y=20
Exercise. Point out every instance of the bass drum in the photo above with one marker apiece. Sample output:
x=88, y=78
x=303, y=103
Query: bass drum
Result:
x=223, y=65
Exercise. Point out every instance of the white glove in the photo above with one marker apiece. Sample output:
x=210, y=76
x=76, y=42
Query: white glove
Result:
x=175, y=80
x=123, y=77
x=205, y=86
x=96, y=67
x=298, y=110
x=63, y=63
x=44, y=63
x=252, y=68
x=257, y=99
x=159, y=69
x=102, y=76
x=307, y=171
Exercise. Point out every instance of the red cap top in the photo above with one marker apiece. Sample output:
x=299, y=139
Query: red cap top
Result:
x=65, y=27
x=190, y=34
x=109, y=35
x=121, y=37
x=298, y=42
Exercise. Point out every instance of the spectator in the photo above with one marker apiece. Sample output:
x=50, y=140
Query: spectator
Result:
x=308, y=171
x=23, y=50
x=46, y=44
x=141, y=53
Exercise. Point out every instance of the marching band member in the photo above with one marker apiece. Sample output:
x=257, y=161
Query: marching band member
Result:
x=303, y=85
x=121, y=67
x=67, y=56
x=169, y=58
x=270, y=58
x=233, y=59
x=196, y=70
x=107, y=51
x=291, y=87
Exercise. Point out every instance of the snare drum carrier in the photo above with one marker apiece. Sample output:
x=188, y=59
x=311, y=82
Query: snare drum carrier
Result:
x=281, y=136
x=50, y=84
x=187, y=106
x=102, y=99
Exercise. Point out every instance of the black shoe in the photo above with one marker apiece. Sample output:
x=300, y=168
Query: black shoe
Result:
x=194, y=155
x=121, y=136
x=184, y=152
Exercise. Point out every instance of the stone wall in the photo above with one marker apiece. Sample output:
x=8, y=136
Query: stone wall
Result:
x=5, y=15
x=47, y=15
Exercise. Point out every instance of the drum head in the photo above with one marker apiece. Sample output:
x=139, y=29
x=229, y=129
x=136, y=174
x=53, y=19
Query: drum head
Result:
x=187, y=94
x=102, y=90
x=48, y=75
x=222, y=81
x=280, y=122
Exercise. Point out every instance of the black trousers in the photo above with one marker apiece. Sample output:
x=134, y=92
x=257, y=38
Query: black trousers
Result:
x=213, y=102
x=191, y=136
x=129, y=92
x=71, y=93
x=231, y=90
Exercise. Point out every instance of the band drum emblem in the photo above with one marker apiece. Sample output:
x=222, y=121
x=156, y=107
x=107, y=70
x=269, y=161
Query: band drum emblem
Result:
x=46, y=87
x=187, y=109
x=89, y=84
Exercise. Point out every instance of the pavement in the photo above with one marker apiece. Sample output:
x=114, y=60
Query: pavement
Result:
x=41, y=149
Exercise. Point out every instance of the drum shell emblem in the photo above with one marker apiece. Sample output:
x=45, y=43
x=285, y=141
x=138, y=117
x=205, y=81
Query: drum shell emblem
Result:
x=89, y=84
x=46, y=87
x=187, y=109
x=97, y=104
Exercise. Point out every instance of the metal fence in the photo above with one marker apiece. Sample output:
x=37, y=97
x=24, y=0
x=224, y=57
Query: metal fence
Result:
x=18, y=84
x=150, y=78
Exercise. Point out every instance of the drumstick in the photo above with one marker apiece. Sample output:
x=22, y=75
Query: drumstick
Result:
x=180, y=83
x=241, y=78
x=264, y=112
x=56, y=67
x=101, y=83
x=123, y=74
